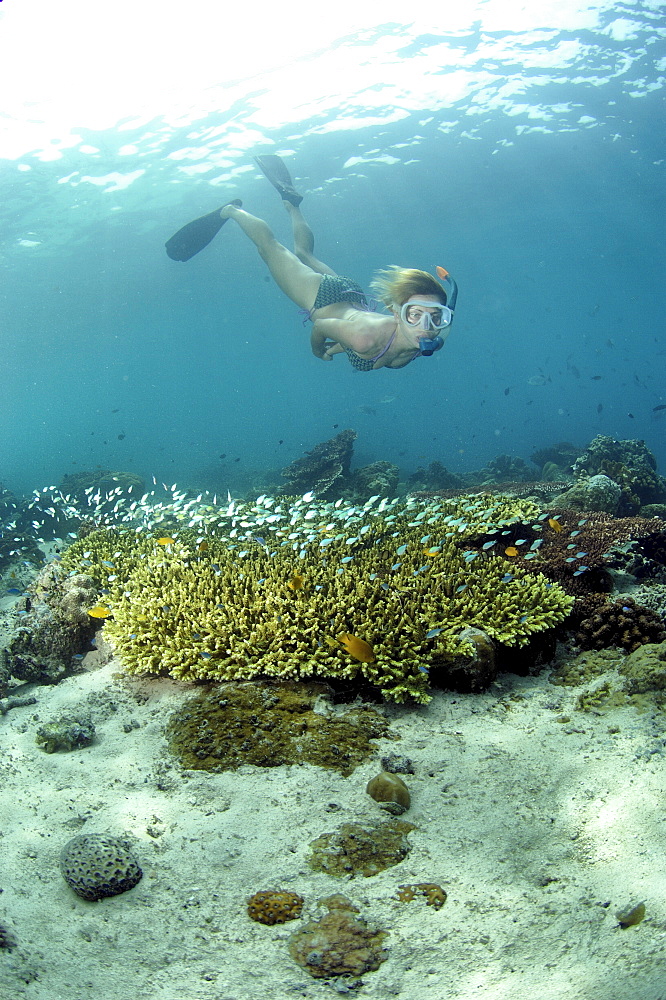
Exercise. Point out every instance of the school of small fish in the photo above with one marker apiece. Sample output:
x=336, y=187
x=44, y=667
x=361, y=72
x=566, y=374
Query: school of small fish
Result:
x=272, y=522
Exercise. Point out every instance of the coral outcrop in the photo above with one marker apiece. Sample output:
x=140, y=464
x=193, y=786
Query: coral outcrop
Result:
x=630, y=464
x=620, y=623
x=325, y=467
x=645, y=669
x=271, y=725
x=274, y=906
x=379, y=478
x=97, y=865
x=339, y=944
x=599, y=493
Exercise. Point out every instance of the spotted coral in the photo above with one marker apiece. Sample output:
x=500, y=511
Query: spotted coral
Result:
x=272, y=906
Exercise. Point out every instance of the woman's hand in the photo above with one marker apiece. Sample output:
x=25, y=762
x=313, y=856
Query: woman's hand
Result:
x=323, y=347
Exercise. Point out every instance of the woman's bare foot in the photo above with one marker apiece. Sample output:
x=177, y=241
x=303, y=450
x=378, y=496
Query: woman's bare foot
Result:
x=227, y=211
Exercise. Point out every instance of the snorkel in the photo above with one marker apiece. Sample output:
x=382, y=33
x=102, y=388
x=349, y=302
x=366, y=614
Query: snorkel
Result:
x=429, y=345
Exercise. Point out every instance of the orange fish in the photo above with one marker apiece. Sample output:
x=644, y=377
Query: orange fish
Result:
x=357, y=648
x=166, y=541
x=100, y=611
x=296, y=582
x=555, y=525
x=511, y=550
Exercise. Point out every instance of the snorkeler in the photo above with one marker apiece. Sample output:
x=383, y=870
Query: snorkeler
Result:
x=420, y=307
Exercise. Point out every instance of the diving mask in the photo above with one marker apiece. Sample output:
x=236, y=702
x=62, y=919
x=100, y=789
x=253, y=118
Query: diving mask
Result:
x=426, y=316
x=429, y=316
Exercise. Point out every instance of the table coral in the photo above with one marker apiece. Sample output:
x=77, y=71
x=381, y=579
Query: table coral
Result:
x=228, y=608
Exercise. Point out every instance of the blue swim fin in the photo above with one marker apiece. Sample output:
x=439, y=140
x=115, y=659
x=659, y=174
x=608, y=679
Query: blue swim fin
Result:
x=273, y=167
x=197, y=234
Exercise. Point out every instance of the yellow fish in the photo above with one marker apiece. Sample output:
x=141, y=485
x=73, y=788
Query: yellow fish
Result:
x=357, y=648
x=555, y=525
x=100, y=611
x=296, y=582
x=166, y=541
x=511, y=550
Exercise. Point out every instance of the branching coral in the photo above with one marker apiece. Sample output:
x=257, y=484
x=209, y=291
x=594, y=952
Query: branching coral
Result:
x=576, y=549
x=396, y=576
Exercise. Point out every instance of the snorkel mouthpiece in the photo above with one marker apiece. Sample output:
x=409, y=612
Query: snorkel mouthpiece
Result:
x=428, y=347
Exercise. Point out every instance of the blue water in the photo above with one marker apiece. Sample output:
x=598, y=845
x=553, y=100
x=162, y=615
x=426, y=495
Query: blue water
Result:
x=525, y=158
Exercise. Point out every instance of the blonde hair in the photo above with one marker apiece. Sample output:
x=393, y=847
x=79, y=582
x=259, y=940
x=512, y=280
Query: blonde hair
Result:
x=394, y=285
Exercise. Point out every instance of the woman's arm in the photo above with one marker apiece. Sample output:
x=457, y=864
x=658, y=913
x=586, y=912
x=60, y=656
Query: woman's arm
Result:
x=332, y=336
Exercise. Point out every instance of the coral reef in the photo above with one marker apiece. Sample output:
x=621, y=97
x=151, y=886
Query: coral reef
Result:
x=282, y=607
x=620, y=623
x=319, y=470
x=96, y=865
x=272, y=906
x=268, y=726
x=356, y=850
x=338, y=944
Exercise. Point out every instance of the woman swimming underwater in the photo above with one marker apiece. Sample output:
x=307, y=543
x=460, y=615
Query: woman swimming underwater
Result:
x=420, y=308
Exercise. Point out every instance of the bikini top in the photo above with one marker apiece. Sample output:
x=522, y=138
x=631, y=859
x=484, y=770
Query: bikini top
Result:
x=367, y=364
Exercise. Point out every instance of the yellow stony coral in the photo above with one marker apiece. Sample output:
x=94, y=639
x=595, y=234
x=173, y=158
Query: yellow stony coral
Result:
x=396, y=578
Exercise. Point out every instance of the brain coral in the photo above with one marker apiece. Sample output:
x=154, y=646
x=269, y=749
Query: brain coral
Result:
x=95, y=865
x=274, y=590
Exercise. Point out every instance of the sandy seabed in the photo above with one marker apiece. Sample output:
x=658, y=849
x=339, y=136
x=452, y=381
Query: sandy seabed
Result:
x=538, y=828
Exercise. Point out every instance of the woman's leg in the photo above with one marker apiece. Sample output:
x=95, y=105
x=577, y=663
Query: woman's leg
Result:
x=297, y=279
x=304, y=240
